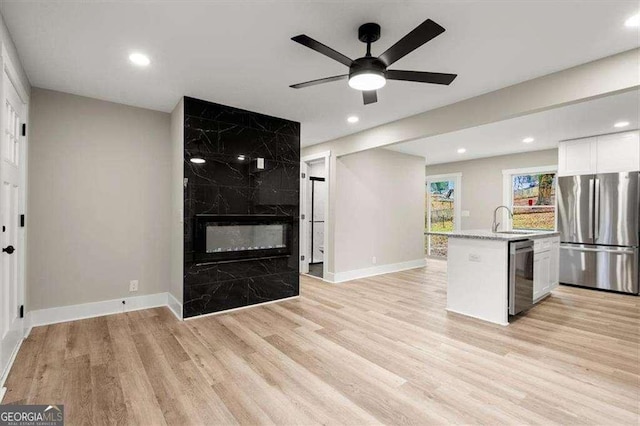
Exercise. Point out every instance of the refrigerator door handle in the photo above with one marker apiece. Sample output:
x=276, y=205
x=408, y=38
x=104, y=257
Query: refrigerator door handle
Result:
x=596, y=208
x=623, y=251
x=591, y=186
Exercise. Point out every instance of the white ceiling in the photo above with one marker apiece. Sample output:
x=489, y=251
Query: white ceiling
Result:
x=589, y=118
x=239, y=52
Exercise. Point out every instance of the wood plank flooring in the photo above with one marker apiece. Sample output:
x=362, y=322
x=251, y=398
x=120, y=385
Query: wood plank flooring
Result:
x=377, y=350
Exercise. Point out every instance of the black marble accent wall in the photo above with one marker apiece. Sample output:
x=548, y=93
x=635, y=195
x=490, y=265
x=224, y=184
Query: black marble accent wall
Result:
x=229, y=183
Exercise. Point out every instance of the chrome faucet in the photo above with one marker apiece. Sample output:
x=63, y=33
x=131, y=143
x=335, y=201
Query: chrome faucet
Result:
x=495, y=224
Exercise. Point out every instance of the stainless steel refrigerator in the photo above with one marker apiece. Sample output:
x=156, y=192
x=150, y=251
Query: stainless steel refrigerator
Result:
x=599, y=224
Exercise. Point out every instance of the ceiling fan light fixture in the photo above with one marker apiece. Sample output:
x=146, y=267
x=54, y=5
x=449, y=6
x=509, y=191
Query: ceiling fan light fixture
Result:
x=367, y=80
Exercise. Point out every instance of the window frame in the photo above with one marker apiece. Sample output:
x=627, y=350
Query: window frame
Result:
x=507, y=191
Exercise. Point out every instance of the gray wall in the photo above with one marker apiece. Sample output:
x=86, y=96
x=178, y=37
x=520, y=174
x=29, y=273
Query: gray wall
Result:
x=482, y=182
x=379, y=209
x=99, y=203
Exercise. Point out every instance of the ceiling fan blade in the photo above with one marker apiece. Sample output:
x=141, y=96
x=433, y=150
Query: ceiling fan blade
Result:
x=369, y=96
x=321, y=48
x=421, y=76
x=319, y=81
x=424, y=32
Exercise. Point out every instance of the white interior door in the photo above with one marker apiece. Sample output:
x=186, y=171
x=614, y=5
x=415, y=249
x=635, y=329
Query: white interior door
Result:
x=304, y=218
x=12, y=163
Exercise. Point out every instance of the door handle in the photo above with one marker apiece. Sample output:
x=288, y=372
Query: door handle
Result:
x=591, y=208
x=598, y=250
x=596, y=222
x=8, y=249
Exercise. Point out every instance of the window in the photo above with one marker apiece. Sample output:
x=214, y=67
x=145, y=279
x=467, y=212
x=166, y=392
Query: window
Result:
x=442, y=206
x=533, y=200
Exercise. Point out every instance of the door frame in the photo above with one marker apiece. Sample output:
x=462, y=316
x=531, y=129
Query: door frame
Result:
x=326, y=156
x=457, y=207
x=9, y=71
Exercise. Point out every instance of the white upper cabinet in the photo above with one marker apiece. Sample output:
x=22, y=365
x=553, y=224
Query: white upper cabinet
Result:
x=619, y=152
x=614, y=153
x=577, y=157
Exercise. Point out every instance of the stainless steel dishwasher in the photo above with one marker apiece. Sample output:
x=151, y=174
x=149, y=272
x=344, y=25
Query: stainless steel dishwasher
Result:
x=520, y=276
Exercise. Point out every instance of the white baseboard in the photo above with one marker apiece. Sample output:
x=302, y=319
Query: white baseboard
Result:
x=355, y=274
x=242, y=308
x=96, y=309
x=476, y=317
x=175, y=306
x=5, y=373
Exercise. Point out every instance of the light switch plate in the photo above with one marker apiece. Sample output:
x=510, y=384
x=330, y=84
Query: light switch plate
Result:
x=465, y=213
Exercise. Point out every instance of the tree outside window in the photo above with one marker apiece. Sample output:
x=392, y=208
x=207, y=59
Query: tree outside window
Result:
x=533, y=201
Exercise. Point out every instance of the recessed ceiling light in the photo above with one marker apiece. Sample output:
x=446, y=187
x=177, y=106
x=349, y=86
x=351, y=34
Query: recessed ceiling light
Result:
x=621, y=124
x=461, y=150
x=139, y=59
x=634, y=21
x=197, y=160
x=528, y=140
x=352, y=119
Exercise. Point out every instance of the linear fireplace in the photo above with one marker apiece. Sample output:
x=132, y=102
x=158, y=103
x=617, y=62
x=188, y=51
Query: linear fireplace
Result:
x=237, y=237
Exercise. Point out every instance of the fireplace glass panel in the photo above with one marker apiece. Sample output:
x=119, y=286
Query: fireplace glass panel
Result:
x=245, y=237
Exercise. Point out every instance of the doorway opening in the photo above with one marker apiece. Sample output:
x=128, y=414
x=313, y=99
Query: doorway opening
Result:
x=443, y=211
x=318, y=198
x=314, y=208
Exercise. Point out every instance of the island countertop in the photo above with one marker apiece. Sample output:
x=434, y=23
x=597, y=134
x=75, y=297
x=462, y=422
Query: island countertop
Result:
x=485, y=234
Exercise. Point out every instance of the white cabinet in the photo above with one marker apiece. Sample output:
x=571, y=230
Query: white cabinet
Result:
x=546, y=263
x=577, y=157
x=554, y=265
x=614, y=153
x=619, y=152
x=541, y=274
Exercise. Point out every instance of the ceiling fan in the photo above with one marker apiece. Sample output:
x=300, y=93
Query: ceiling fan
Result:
x=370, y=73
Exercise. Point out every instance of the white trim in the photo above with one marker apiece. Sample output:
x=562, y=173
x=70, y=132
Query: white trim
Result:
x=457, y=206
x=14, y=76
x=303, y=228
x=507, y=175
x=96, y=309
x=355, y=274
x=504, y=324
x=317, y=278
x=316, y=156
x=526, y=170
x=241, y=308
x=15, y=79
x=444, y=176
x=174, y=305
x=326, y=156
x=5, y=373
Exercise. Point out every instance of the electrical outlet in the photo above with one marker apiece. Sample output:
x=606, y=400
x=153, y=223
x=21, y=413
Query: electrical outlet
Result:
x=133, y=285
x=374, y=260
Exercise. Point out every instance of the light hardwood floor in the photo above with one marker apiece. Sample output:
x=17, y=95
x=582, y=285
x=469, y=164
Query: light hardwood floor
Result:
x=377, y=350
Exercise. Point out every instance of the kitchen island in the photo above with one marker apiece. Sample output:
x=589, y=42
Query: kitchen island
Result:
x=478, y=270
